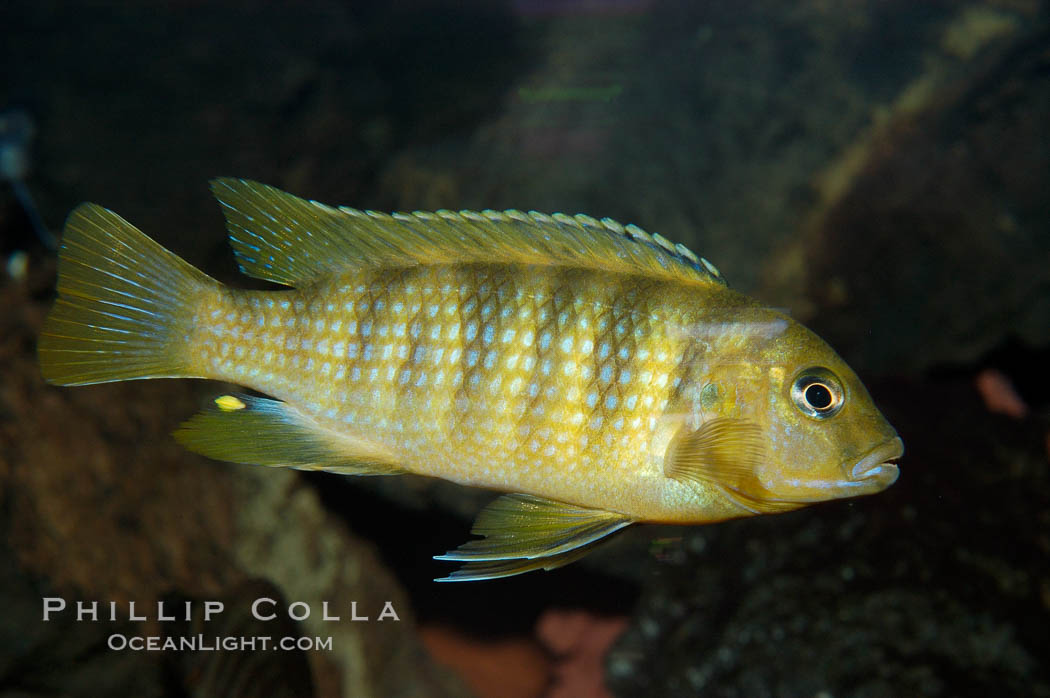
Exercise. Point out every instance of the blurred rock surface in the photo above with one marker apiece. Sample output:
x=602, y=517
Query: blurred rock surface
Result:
x=100, y=504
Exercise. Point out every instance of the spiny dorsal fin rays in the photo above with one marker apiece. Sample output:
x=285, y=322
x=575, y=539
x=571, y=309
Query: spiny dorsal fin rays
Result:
x=282, y=238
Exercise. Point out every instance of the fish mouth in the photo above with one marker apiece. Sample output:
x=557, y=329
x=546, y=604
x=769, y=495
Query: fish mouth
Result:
x=874, y=472
x=876, y=469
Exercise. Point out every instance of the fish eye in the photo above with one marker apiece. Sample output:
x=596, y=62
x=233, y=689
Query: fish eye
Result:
x=818, y=393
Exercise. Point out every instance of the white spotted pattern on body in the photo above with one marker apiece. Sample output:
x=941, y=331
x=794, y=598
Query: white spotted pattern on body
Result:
x=543, y=380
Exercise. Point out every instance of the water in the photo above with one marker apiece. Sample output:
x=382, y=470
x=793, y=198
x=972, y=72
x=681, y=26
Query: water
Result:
x=877, y=168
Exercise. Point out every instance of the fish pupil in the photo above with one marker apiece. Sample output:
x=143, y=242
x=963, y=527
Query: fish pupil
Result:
x=819, y=396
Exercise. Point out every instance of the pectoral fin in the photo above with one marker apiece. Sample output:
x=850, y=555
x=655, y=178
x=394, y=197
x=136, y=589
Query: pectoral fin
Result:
x=260, y=431
x=524, y=533
x=725, y=452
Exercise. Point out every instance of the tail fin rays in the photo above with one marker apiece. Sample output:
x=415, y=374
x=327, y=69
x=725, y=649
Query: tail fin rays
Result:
x=124, y=304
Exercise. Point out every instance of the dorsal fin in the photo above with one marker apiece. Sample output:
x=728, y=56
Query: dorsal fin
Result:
x=282, y=238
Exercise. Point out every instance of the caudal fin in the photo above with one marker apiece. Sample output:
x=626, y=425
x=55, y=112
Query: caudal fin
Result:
x=124, y=304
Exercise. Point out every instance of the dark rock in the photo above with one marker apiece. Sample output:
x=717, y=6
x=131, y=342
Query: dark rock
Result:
x=100, y=504
x=936, y=587
x=935, y=252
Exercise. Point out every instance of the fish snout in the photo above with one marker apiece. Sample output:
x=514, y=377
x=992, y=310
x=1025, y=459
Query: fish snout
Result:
x=876, y=470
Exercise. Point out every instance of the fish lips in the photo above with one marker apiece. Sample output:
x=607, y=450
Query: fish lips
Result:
x=875, y=471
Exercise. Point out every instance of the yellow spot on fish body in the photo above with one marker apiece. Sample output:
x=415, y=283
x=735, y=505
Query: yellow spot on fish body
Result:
x=229, y=403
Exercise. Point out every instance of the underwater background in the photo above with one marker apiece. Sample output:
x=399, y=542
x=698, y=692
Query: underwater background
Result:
x=879, y=168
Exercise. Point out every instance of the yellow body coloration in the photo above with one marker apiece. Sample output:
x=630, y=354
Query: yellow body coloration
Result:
x=602, y=374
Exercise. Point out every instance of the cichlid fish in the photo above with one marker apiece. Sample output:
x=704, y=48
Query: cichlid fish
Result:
x=599, y=374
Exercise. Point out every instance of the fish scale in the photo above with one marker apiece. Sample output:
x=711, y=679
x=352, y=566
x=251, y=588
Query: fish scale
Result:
x=599, y=375
x=461, y=368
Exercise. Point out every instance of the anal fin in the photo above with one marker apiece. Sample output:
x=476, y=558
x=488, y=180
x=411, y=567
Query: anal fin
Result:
x=261, y=431
x=524, y=533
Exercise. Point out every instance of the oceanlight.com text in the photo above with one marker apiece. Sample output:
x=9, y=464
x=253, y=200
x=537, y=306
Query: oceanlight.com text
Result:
x=216, y=643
